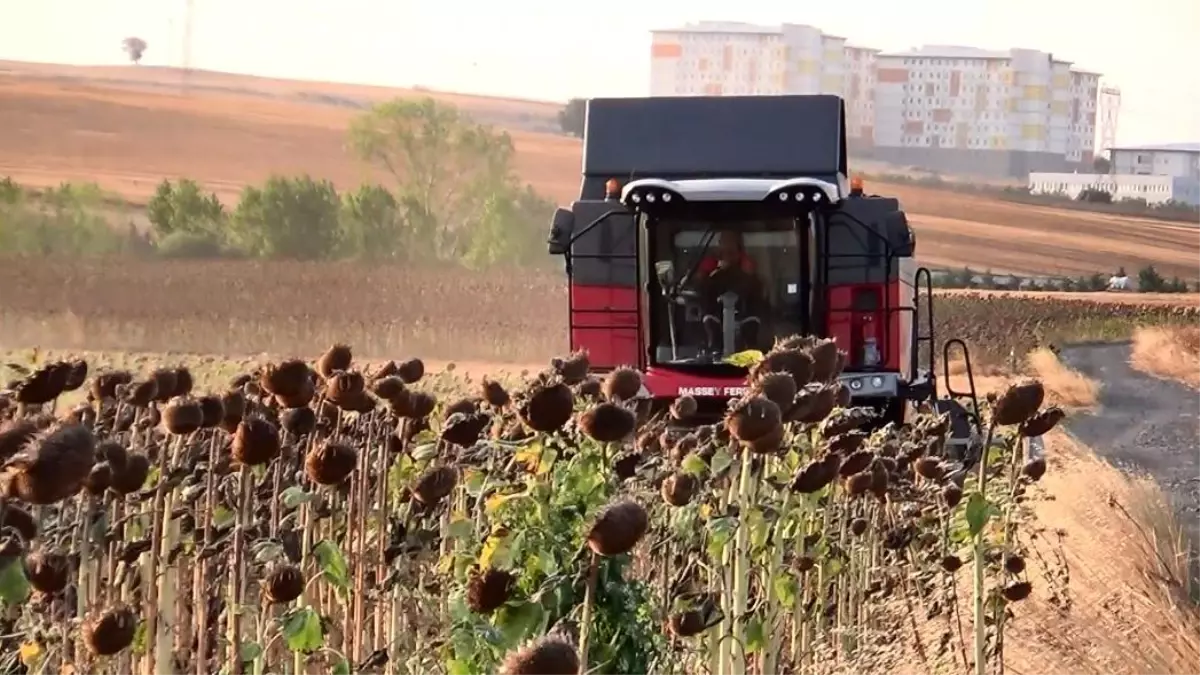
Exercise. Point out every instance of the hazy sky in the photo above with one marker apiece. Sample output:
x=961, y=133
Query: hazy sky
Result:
x=555, y=50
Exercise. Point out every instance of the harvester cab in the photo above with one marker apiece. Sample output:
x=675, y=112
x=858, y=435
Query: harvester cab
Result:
x=709, y=226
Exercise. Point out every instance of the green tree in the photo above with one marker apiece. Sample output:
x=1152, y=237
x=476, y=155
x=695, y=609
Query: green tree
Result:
x=10, y=191
x=66, y=220
x=373, y=224
x=447, y=168
x=1150, y=281
x=510, y=231
x=573, y=117
x=296, y=218
x=184, y=207
x=1101, y=164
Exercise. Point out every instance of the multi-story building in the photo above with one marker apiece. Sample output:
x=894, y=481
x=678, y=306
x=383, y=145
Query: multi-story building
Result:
x=953, y=109
x=859, y=92
x=738, y=59
x=966, y=110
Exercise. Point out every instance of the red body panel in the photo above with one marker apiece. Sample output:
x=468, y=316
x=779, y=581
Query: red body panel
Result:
x=604, y=321
x=850, y=327
x=890, y=323
x=668, y=383
x=611, y=339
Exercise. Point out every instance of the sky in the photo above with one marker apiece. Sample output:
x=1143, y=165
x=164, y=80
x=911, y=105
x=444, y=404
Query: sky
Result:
x=557, y=50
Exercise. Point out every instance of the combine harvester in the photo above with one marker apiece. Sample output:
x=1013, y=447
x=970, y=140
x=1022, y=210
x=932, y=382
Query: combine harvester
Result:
x=671, y=185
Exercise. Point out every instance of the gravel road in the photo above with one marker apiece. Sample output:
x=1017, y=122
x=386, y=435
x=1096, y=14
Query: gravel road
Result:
x=1142, y=423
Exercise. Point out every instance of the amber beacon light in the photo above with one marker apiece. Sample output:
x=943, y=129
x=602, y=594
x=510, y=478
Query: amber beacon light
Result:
x=856, y=185
x=612, y=189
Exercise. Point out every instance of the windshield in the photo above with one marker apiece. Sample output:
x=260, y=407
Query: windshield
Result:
x=721, y=287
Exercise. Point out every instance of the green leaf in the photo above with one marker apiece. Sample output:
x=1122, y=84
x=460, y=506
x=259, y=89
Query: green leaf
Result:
x=302, y=630
x=342, y=667
x=461, y=528
x=333, y=564
x=756, y=637
x=978, y=512
x=517, y=622
x=720, y=532
x=424, y=451
x=745, y=359
x=14, y=587
x=458, y=667
x=250, y=651
x=295, y=496
x=721, y=460
x=694, y=465
x=222, y=516
x=475, y=481
x=785, y=589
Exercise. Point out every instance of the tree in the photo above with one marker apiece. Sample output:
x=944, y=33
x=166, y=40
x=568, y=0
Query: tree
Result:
x=1150, y=281
x=292, y=218
x=573, y=117
x=446, y=167
x=184, y=208
x=134, y=48
x=510, y=230
x=373, y=224
x=1101, y=164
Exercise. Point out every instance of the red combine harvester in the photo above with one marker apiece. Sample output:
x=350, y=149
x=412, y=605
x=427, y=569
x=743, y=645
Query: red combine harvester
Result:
x=708, y=226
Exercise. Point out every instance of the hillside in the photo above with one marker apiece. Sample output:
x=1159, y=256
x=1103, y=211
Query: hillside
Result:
x=126, y=128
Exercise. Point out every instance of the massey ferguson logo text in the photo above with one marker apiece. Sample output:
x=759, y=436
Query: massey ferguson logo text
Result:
x=712, y=391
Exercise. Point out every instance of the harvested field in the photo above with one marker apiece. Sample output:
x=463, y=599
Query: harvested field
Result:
x=127, y=129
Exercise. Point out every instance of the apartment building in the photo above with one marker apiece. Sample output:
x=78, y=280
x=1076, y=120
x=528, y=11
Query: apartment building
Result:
x=941, y=108
x=859, y=92
x=967, y=110
x=740, y=59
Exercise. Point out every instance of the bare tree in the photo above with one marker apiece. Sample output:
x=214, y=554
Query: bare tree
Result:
x=134, y=47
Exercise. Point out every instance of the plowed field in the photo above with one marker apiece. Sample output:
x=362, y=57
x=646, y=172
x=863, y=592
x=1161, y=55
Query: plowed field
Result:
x=127, y=128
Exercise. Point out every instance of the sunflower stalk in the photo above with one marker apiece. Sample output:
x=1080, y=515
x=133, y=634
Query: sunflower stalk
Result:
x=978, y=563
x=741, y=564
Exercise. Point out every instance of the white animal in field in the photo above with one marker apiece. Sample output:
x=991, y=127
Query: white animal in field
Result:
x=1116, y=283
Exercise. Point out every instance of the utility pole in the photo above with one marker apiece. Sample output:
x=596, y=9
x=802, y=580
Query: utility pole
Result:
x=187, y=45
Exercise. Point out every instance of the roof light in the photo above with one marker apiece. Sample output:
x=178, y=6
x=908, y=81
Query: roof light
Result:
x=612, y=189
x=856, y=185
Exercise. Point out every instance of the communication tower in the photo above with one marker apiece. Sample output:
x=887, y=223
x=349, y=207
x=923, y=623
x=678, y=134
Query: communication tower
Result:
x=1108, y=108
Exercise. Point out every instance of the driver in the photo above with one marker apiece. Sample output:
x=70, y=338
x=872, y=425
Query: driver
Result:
x=730, y=269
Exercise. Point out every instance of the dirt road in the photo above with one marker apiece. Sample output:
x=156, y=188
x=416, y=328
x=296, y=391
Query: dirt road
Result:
x=1142, y=424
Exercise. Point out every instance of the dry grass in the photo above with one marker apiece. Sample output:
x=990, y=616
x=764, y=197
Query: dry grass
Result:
x=1170, y=353
x=127, y=128
x=1123, y=610
x=1065, y=386
x=246, y=308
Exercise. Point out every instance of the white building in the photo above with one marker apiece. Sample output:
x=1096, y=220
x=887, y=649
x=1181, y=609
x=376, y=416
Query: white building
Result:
x=1173, y=159
x=1155, y=189
x=859, y=93
x=941, y=108
x=967, y=110
x=739, y=59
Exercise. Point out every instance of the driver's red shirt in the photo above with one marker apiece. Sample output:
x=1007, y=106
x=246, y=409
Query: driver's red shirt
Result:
x=709, y=264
